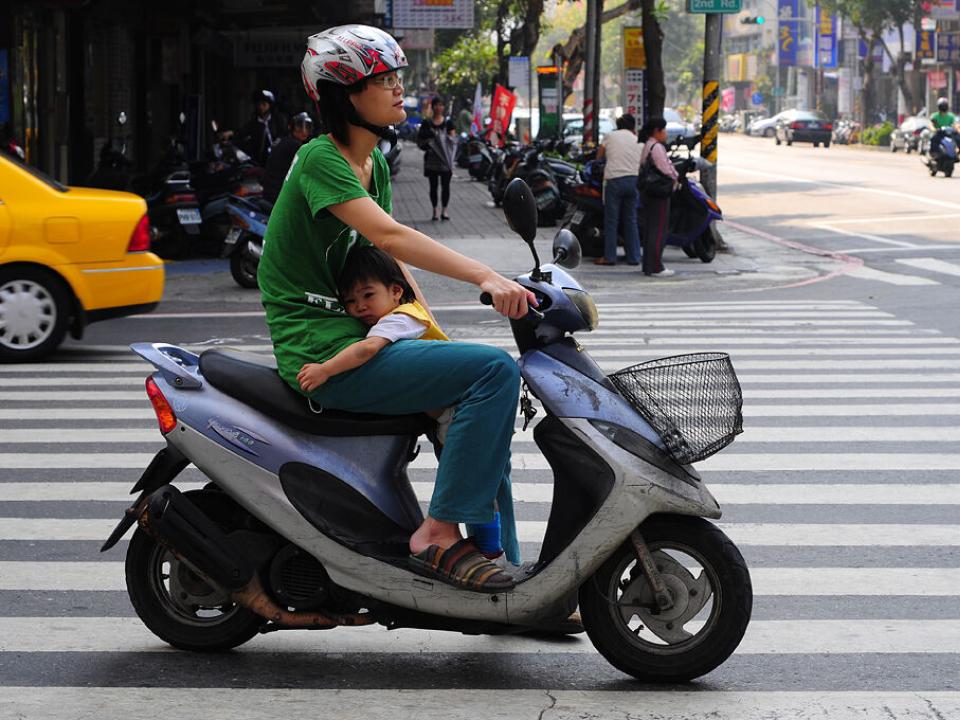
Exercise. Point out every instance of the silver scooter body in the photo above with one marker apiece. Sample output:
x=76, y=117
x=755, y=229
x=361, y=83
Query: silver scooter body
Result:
x=629, y=476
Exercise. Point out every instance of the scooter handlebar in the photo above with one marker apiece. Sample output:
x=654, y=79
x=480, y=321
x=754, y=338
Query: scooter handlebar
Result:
x=487, y=299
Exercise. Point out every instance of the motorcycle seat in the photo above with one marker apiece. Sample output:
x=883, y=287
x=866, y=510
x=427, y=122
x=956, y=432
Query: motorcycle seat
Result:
x=254, y=381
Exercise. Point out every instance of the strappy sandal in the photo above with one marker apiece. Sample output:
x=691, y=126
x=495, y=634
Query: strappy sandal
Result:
x=461, y=565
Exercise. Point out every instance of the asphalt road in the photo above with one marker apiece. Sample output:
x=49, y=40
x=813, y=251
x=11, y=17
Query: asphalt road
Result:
x=842, y=493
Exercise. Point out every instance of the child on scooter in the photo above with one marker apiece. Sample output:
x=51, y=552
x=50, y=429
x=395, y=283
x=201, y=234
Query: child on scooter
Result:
x=373, y=290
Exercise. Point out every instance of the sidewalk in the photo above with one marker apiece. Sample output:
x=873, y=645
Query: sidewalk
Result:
x=479, y=230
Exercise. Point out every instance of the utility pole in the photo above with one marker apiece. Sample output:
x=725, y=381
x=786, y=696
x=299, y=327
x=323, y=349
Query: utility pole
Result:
x=590, y=70
x=597, y=69
x=711, y=100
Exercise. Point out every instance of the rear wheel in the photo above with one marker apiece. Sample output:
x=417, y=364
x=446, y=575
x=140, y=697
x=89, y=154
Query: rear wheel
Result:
x=35, y=308
x=705, y=246
x=180, y=607
x=709, y=583
x=689, y=251
x=243, y=266
x=826, y=144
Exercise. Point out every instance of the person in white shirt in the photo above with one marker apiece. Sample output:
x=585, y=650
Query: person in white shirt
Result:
x=656, y=210
x=622, y=153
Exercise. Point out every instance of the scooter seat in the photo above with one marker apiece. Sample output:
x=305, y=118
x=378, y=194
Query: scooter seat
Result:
x=254, y=381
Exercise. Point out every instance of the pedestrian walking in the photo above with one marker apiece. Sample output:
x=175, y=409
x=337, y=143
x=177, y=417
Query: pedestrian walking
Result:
x=437, y=138
x=654, y=159
x=621, y=151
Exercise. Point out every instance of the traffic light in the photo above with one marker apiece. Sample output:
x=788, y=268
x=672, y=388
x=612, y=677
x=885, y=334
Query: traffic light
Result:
x=753, y=20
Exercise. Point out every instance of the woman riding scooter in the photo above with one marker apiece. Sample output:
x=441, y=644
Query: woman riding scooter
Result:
x=338, y=195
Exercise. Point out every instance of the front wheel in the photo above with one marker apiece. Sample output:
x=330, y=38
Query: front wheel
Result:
x=705, y=246
x=709, y=583
x=243, y=267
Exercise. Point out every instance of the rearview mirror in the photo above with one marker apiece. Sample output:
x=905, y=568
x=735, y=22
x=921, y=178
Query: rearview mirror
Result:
x=566, y=249
x=520, y=207
x=122, y=119
x=214, y=126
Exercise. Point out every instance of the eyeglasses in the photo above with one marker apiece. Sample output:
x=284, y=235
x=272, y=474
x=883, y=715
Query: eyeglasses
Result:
x=389, y=81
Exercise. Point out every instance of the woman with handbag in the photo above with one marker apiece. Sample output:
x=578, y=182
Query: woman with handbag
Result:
x=658, y=181
x=438, y=139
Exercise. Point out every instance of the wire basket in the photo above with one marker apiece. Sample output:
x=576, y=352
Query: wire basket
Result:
x=693, y=401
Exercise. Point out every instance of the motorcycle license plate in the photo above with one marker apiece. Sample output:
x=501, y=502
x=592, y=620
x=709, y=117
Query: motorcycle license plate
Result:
x=577, y=218
x=232, y=236
x=188, y=216
x=476, y=158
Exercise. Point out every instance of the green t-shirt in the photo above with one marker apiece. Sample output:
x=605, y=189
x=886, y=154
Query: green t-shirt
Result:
x=304, y=251
x=942, y=120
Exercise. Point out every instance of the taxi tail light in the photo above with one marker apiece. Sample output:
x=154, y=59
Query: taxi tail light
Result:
x=140, y=240
x=165, y=415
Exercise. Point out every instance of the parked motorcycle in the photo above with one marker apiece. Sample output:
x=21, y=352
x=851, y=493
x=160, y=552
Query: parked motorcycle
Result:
x=480, y=157
x=306, y=519
x=941, y=153
x=391, y=151
x=243, y=243
x=113, y=170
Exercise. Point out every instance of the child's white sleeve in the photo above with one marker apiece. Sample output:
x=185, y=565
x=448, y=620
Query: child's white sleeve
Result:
x=398, y=326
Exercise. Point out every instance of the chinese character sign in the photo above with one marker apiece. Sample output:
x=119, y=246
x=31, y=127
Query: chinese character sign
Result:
x=634, y=54
x=826, y=38
x=788, y=31
x=948, y=47
x=926, y=45
x=633, y=94
x=500, y=111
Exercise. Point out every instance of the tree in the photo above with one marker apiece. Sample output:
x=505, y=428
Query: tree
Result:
x=460, y=67
x=653, y=11
x=872, y=18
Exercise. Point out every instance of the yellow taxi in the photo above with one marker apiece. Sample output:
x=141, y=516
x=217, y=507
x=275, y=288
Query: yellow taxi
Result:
x=69, y=256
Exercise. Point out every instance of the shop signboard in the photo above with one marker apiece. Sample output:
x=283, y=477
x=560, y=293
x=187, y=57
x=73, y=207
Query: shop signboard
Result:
x=433, y=13
x=788, y=32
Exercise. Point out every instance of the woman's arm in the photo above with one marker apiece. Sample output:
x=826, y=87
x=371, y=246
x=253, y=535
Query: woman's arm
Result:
x=413, y=247
x=313, y=375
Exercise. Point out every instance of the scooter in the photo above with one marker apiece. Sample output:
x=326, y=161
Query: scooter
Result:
x=307, y=516
x=243, y=243
x=392, y=152
x=942, y=156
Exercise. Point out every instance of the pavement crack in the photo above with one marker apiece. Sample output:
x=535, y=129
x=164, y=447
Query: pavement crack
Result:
x=553, y=704
x=936, y=713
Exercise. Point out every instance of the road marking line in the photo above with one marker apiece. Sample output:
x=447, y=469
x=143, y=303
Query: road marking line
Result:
x=867, y=273
x=524, y=492
x=932, y=264
x=892, y=218
x=821, y=582
x=746, y=534
x=763, y=637
x=48, y=703
x=864, y=236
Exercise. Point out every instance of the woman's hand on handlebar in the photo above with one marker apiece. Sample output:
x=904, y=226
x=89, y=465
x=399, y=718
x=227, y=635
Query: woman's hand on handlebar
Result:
x=509, y=298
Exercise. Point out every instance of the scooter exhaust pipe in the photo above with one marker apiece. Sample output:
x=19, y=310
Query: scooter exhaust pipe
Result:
x=185, y=530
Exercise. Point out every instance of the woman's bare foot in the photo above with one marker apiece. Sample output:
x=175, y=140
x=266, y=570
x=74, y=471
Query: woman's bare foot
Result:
x=434, y=532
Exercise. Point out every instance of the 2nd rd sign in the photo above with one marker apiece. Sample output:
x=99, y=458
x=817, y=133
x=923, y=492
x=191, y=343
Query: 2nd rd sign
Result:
x=714, y=6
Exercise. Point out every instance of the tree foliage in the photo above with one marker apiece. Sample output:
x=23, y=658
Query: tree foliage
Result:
x=460, y=67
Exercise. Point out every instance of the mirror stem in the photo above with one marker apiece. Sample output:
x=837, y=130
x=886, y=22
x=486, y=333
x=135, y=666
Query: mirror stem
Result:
x=536, y=275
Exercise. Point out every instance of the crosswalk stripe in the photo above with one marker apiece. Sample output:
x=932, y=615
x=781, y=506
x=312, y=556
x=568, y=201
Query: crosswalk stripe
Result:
x=704, y=703
x=918, y=582
x=763, y=637
x=726, y=493
x=932, y=264
x=868, y=273
x=746, y=534
x=739, y=462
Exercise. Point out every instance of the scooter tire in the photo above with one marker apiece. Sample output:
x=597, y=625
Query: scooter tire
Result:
x=689, y=251
x=705, y=246
x=243, y=268
x=721, y=632
x=144, y=568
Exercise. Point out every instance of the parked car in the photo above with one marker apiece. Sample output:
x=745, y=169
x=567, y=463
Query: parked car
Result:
x=677, y=126
x=804, y=126
x=69, y=256
x=573, y=129
x=766, y=127
x=907, y=136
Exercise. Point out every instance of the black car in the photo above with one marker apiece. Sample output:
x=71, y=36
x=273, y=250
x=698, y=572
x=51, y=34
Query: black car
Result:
x=810, y=126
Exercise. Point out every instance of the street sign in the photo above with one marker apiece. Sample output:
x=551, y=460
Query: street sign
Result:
x=519, y=71
x=714, y=6
x=756, y=98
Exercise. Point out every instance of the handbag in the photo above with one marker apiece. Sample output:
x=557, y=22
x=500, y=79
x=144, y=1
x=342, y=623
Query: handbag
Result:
x=652, y=182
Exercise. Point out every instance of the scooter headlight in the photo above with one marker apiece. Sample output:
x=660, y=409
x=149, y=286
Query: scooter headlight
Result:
x=586, y=306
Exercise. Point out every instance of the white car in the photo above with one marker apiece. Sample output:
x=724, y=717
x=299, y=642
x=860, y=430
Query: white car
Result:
x=765, y=127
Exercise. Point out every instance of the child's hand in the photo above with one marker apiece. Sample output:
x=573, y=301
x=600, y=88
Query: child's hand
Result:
x=312, y=376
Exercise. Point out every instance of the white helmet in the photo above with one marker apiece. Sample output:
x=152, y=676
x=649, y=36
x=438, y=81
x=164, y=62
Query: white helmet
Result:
x=347, y=54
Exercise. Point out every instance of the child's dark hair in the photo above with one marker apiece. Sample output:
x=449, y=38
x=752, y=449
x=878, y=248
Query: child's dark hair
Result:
x=368, y=262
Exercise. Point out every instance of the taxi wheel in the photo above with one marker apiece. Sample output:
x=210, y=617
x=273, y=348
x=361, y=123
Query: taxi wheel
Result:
x=35, y=312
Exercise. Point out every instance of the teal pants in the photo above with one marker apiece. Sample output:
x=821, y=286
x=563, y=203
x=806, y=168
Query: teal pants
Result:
x=411, y=376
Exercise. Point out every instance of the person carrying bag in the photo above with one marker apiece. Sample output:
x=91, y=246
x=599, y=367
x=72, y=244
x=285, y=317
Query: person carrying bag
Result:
x=657, y=181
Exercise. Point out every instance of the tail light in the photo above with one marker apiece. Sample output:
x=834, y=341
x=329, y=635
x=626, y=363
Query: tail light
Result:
x=828, y=126
x=796, y=126
x=165, y=415
x=251, y=189
x=180, y=198
x=140, y=240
